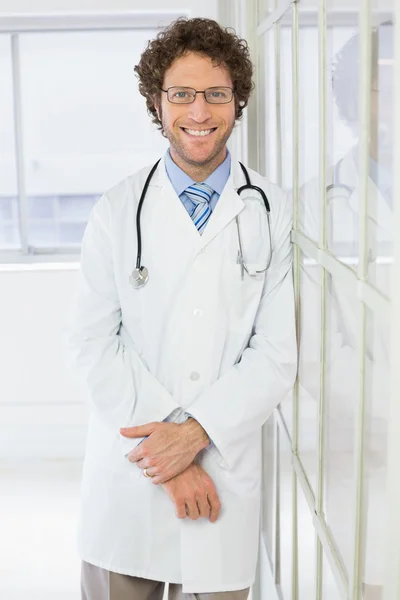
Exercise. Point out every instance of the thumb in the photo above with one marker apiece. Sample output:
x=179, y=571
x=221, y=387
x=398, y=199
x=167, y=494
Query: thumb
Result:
x=138, y=431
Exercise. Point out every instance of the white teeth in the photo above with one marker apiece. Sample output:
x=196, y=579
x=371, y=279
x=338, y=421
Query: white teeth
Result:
x=198, y=133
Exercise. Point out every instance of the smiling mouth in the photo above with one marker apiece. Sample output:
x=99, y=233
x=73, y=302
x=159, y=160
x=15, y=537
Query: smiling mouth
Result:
x=199, y=133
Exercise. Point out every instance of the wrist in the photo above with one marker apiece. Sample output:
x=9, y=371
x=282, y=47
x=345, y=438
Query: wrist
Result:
x=196, y=434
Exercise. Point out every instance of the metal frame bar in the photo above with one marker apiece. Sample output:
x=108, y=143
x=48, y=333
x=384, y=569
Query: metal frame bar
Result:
x=365, y=107
x=251, y=23
x=261, y=110
x=277, y=42
x=296, y=273
x=319, y=508
x=323, y=534
x=308, y=17
x=365, y=291
x=282, y=7
x=19, y=145
x=277, y=536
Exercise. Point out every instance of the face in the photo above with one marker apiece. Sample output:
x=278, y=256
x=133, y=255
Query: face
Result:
x=180, y=121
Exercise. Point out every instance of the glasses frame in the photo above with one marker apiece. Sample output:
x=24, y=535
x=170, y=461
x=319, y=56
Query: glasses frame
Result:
x=183, y=87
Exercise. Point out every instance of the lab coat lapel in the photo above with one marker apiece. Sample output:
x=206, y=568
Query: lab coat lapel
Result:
x=173, y=212
x=229, y=205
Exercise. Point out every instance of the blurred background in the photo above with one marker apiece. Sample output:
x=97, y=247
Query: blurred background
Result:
x=322, y=124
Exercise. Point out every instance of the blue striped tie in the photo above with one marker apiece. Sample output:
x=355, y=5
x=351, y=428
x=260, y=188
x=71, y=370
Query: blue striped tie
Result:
x=200, y=195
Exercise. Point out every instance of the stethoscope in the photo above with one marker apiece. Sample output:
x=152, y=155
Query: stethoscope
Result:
x=336, y=181
x=140, y=274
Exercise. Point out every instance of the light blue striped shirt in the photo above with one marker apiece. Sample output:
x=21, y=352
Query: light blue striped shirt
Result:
x=181, y=180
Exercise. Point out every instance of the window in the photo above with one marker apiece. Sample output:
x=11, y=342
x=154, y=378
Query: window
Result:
x=73, y=121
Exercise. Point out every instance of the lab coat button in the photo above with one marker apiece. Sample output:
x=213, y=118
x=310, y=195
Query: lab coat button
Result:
x=194, y=376
x=197, y=312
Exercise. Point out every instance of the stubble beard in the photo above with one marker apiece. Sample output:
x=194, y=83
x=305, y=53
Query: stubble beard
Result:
x=180, y=149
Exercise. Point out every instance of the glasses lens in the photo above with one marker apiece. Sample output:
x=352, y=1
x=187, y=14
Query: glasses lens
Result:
x=219, y=95
x=181, y=95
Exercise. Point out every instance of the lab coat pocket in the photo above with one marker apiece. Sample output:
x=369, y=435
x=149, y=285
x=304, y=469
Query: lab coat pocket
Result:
x=240, y=296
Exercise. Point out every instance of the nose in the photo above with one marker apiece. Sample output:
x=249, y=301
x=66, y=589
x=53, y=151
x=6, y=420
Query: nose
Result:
x=199, y=110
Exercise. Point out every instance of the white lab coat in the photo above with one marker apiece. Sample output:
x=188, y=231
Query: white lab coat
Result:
x=342, y=213
x=196, y=337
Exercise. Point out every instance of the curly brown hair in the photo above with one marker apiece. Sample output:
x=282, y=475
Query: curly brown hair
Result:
x=206, y=37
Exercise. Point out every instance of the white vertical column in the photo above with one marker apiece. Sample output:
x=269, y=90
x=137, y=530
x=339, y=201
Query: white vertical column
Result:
x=365, y=111
x=19, y=144
x=296, y=273
x=252, y=119
x=392, y=580
x=322, y=244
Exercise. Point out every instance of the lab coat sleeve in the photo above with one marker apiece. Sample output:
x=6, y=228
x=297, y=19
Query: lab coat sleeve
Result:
x=236, y=406
x=119, y=387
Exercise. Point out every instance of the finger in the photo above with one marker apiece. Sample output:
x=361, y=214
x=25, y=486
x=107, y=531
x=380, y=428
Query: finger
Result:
x=135, y=455
x=215, y=507
x=203, y=506
x=150, y=472
x=158, y=478
x=192, y=510
x=138, y=431
x=181, y=510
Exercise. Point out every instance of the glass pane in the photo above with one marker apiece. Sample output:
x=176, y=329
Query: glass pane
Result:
x=342, y=387
x=309, y=201
x=270, y=107
x=380, y=186
x=309, y=365
x=329, y=589
x=284, y=576
x=58, y=220
x=9, y=221
x=375, y=457
x=269, y=485
x=306, y=547
x=85, y=125
x=342, y=135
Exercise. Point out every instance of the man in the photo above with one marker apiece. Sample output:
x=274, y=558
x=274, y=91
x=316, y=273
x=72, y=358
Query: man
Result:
x=194, y=361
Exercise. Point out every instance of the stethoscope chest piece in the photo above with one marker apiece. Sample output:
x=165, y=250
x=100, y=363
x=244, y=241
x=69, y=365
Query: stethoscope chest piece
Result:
x=139, y=277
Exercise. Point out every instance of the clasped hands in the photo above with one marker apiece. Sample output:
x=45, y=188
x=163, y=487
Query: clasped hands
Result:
x=168, y=454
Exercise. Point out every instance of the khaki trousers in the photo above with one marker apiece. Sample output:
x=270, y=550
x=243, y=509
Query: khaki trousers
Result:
x=99, y=584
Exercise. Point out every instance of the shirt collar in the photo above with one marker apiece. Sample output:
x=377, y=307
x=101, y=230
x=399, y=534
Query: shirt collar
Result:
x=181, y=180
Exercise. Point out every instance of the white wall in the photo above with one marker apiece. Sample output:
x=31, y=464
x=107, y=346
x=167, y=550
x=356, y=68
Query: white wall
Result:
x=41, y=410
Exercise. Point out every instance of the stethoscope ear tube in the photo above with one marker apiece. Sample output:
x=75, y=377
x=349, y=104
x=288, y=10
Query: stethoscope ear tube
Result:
x=139, y=210
x=249, y=186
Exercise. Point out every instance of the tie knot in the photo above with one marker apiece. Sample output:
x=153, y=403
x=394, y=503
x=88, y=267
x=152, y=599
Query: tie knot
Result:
x=199, y=192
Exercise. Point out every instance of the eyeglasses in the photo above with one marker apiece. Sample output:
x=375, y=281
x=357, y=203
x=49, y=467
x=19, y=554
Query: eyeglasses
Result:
x=187, y=95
